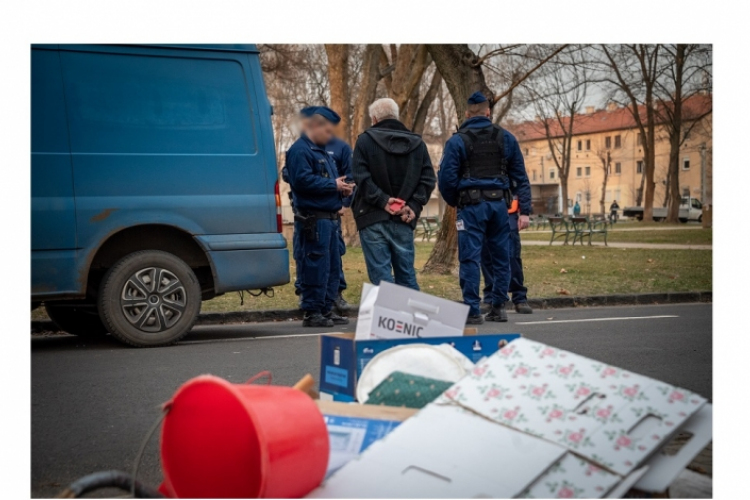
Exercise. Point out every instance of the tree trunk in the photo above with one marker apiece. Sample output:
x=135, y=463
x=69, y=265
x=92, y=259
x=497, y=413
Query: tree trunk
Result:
x=605, y=166
x=564, y=191
x=457, y=66
x=368, y=86
x=443, y=259
x=675, y=139
x=338, y=78
x=421, y=117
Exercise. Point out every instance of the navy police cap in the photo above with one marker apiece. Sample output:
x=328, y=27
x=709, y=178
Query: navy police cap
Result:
x=328, y=114
x=477, y=98
x=308, y=111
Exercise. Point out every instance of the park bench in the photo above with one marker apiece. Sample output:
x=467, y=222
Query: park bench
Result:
x=429, y=227
x=560, y=227
x=539, y=222
x=583, y=226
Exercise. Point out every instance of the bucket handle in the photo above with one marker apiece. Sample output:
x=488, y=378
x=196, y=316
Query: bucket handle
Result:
x=264, y=373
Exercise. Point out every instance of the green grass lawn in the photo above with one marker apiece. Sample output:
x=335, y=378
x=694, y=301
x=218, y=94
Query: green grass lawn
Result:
x=602, y=271
x=675, y=236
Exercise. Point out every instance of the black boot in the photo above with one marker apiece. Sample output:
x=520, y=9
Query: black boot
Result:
x=498, y=314
x=475, y=320
x=316, y=320
x=337, y=320
x=524, y=308
x=485, y=307
x=342, y=306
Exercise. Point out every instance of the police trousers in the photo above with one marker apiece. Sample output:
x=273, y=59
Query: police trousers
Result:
x=484, y=221
x=318, y=261
x=340, y=267
x=516, y=287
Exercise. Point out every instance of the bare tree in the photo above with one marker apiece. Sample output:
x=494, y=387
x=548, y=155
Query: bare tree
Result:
x=634, y=71
x=606, y=161
x=687, y=69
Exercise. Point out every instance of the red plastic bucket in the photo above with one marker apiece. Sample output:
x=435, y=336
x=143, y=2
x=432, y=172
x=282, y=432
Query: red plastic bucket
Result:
x=224, y=440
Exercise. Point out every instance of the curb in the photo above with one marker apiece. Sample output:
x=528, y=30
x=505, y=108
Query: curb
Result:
x=548, y=303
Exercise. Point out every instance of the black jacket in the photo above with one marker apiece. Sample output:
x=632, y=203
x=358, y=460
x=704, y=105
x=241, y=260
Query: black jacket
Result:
x=390, y=162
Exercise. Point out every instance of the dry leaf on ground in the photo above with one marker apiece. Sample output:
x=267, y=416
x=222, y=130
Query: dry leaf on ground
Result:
x=563, y=271
x=563, y=291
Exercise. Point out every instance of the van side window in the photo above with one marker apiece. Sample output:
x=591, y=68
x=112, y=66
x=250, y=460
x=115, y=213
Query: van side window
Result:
x=138, y=104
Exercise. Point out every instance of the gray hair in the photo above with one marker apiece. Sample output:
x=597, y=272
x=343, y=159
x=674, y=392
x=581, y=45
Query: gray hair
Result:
x=383, y=109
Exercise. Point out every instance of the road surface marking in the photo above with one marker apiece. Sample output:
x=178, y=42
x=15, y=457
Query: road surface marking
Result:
x=593, y=319
x=237, y=339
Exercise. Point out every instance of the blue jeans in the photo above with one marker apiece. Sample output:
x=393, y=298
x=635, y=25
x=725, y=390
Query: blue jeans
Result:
x=516, y=287
x=485, y=221
x=388, y=247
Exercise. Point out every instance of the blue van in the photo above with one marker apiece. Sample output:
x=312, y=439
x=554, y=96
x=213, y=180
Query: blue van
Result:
x=153, y=185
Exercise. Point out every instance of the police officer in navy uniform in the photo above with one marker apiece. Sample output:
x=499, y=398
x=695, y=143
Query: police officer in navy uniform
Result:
x=517, y=289
x=342, y=157
x=317, y=193
x=479, y=162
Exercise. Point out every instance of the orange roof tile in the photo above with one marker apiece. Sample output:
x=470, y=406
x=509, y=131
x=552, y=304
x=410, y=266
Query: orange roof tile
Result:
x=604, y=120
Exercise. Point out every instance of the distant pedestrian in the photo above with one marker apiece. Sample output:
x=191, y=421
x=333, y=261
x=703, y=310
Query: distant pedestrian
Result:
x=395, y=178
x=613, y=208
x=576, y=209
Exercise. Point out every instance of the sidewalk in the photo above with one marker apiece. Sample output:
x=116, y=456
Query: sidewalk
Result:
x=652, y=246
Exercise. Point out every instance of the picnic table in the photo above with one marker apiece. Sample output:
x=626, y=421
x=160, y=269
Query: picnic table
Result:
x=428, y=227
x=584, y=226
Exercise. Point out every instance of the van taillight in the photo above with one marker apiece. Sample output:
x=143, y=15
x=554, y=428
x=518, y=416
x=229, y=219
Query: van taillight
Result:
x=276, y=192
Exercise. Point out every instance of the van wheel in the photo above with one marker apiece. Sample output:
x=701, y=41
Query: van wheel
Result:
x=76, y=317
x=683, y=220
x=149, y=298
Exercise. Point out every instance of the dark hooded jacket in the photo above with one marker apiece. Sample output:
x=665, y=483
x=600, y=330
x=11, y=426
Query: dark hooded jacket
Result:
x=390, y=162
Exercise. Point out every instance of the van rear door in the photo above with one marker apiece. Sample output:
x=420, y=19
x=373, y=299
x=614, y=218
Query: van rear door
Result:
x=53, y=212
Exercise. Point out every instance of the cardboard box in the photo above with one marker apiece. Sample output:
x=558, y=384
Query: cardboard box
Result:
x=391, y=311
x=533, y=421
x=353, y=427
x=342, y=358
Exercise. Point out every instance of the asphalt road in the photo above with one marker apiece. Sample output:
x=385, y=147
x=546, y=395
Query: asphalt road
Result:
x=93, y=402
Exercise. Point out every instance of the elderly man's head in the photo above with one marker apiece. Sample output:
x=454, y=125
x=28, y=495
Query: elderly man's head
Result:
x=383, y=109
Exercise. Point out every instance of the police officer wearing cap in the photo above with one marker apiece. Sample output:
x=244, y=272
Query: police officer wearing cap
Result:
x=317, y=192
x=341, y=154
x=479, y=162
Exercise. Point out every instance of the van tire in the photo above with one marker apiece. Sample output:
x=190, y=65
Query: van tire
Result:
x=149, y=298
x=76, y=317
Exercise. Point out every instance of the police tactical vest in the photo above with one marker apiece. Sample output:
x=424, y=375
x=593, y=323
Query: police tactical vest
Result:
x=485, y=153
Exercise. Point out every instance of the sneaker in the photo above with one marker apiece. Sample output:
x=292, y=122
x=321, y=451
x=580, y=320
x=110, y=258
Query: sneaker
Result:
x=316, y=320
x=524, y=308
x=341, y=304
x=485, y=307
x=475, y=320
x=498, y=314
x=337, y=320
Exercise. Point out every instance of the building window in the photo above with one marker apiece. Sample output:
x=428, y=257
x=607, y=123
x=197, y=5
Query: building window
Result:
x=686, y=192
x=686, y=164
x=640, y=140
x=552, y=173
x=639, y=167
x=608, y=142
x=618, y=141
x=580, y=145
x=588, y=171
x=588, y=144
x=526, y=152
x=578, y=172
x=618, y=168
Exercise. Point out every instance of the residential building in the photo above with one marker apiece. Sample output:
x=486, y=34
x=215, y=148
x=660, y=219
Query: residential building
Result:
x=609, y=138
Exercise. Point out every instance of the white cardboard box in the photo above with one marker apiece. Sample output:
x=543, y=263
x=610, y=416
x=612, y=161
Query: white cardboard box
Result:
x=532, y=421
x=391, y=311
